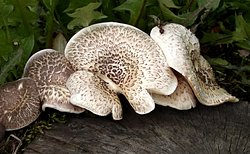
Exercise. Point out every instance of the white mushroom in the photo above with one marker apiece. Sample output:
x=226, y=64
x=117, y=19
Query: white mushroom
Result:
x=50, y=70
x=182, y=50
x=126, y=58
x=182, y=99
x=19, y=104
x=90, y=92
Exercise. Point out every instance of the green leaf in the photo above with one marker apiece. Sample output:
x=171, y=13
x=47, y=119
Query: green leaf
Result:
x=4, y=13
x=74, y=4
x=50, y=20
x=189, y=17
x=169, y=15
x=6, y=46
x=82, y=17
x=107, y=8
x=168, y=4
x=50, y=5
x=242, y=31
x=244, y=44
x=186, y=19
x=27, y=44
x=209, y=4
x=24, y=11
x=219, y=61
x=134, y=7
x=8, y=66
x=216, y=38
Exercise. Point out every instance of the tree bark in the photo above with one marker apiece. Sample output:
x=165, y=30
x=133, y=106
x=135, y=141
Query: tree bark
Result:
x=220, y=129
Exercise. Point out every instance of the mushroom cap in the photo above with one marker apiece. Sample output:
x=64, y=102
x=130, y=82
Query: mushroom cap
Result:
x=19, y=104
x=126, y=58
x=90, y=92
x=182, y=50
x=50, y=70
x=183, y=97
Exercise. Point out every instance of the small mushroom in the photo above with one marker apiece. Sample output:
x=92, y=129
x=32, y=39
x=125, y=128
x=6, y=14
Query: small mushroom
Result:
x=124, y=57
x=182, y=50
x=50, y=70
x=19, y=104
x=90, y=92
x=182, y=99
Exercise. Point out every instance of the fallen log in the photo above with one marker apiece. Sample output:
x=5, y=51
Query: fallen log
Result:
x=221, y=129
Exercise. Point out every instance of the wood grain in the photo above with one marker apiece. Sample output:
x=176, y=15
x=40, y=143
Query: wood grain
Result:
x=206, y=130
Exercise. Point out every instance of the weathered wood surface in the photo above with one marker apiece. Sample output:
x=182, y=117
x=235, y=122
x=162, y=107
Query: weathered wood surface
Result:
x=221, y=129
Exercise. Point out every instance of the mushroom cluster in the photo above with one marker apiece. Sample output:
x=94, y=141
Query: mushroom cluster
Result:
x=104, y=59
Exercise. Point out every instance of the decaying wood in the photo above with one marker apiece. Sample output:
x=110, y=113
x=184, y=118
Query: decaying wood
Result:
x=220, y=129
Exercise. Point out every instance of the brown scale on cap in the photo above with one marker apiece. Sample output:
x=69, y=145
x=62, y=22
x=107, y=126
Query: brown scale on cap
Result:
x=126, y=58
x=118, y=68
x=19, y=104
x=50, y=70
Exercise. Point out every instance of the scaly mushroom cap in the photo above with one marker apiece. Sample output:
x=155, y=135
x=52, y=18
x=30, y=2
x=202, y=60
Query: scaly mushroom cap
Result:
x=50, y=70
x=182, y=50
x=182, y=99
x=126, y=58
x=19, y=104
x=90, y=92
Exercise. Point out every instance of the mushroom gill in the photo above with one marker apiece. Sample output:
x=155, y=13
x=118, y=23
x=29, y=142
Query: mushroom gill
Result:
x=183, y=97
x=182, y=50
x=19, y=104
x=90, y=92
x=124, y=57
x=50, y=70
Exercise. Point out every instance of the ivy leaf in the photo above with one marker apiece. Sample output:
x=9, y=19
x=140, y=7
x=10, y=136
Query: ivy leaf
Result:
x=134, y=7
x=85, y=15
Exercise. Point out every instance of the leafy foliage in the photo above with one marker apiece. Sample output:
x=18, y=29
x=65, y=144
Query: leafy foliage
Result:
x=30, y=25
x=89, y=14
x=223, y=27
